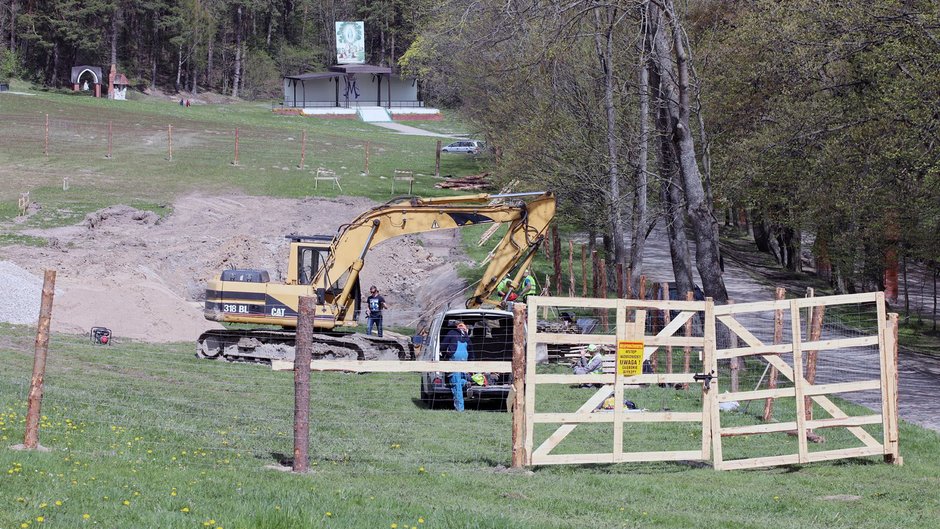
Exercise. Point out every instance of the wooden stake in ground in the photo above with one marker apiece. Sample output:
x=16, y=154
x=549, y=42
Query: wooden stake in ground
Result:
x=570, y=269
x=584, y=282
x=619, y=280
x=735, y=361
x=169, y=142
x=556, y=258
x=437, y=160
x=368, y=145
x=235, y=162
x=812, y=357
x=34, y=401
x=781, y=293
x=45, y=145
x=518, y=378
x=303, y=149
x=642, y=294
x=303, y=353
x=687, y=351
x=109, y=141
x=602, y=290
x=667, y=318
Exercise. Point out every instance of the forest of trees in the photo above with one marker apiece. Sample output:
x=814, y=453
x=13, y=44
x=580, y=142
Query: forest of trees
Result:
x=799, y=121
x=235, y=47
x=808, y=123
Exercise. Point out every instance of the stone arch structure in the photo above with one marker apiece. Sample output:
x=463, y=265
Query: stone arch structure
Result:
x=78, y=71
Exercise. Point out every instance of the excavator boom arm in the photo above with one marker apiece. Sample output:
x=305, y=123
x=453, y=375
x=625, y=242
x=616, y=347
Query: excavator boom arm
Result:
x=528, y=224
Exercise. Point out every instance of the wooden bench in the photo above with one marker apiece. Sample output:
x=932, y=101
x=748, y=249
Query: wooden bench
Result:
x=404, y=176
x=326, y=174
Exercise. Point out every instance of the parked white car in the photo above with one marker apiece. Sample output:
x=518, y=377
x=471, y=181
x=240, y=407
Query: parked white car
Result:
x=464, y=146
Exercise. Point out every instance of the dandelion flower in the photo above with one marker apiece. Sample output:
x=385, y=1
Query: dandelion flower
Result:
x=394, y=526
x=126, y=503
x=40, y=519
x=184, y=509
x=86, y=516
x=420, y=520
x=328, y=513
x=24, y=525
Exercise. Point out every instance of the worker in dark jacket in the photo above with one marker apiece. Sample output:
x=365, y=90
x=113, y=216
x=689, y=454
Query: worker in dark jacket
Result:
x=456, y=348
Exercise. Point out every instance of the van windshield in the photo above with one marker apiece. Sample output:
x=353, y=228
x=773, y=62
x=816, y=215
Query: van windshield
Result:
x=490, y=336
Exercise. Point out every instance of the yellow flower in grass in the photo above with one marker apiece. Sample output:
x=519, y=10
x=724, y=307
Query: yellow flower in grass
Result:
x=328, y=513
x=58, y=503
x=24, y=525
x=420, y=520
x=184, y=509
x=86, y=516
x=126, y=502
x=394, y=526
x=40, y=519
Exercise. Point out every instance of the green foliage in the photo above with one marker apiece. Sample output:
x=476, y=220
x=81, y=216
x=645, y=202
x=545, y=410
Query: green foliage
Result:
x=9, y=64
x=262, y=76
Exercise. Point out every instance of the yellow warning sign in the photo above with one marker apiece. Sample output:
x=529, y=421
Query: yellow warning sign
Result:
x=629, y=358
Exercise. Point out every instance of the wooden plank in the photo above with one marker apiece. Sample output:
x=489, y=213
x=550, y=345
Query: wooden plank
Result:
x=608, y=378
x=842, y=387
x=798, y=382
x=674, y=341
x=748, y=308
x=628, y=416
x=893, y=454
x=559, y=435
x=883, y=360
x=711, y=423
x=629, y=457
x=760, y=462
x=397, y=366
x=585, y=302
x=844, y=422
x=574, y=339
x=821, y=345
x=725, y=354
x=757, y=394
x=758, y=429
x=828, y=455
x=844, y=299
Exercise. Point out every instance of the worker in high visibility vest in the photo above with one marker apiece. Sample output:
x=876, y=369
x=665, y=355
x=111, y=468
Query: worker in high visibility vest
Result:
x=505, y=287
x=529, y=286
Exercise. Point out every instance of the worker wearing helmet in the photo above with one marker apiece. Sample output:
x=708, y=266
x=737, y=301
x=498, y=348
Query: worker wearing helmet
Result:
x=504, y=288
x=529, y=286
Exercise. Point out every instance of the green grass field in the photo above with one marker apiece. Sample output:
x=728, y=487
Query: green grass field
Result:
x=143, y=435
x=146, y=435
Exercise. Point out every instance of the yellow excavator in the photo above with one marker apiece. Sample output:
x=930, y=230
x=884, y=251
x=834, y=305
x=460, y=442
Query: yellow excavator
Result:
x=327, y=268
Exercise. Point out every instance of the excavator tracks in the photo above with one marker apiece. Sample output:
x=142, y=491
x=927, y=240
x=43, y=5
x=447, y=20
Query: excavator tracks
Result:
x=262, y=346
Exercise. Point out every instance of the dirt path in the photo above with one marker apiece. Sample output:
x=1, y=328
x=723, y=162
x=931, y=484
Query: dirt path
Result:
x=919, y=374
x=145, y=278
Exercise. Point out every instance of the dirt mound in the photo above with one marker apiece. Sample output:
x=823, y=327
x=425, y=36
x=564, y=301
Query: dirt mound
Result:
x=144, y=277
x=119, y=215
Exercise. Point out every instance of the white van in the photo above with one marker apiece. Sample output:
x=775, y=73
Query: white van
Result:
x=490, y=339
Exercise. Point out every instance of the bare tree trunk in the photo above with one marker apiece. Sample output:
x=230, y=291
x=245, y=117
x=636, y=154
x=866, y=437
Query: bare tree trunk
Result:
x=237, y=77
x=114, y=32
x=13, y=25
x=603, y=42
x=179, y=67
x=209, y=54
x=638, y=239
x=703, y=223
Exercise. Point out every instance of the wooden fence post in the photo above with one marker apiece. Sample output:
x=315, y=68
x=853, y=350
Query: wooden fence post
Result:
x=518, y=378
x=31, y=438
x=619, y=280
x=602, y=291
x=556, y=258
x=817, y=314
x=303, y=352
x=109, y=140
x=437, y=160
x=368, y=145
x=584, y=282
x=303, y=149
x=570, y=269
x=236, y=147
x=687, y=351
x=781, y=293
x=629, y=283
x=667, y=317
x=45, y=145
x=735, y=361
x=642, y=294
x=169, y=142
x=890, y=364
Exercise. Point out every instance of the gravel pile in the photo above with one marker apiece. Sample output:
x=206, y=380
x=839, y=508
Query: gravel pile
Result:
x=20, y=294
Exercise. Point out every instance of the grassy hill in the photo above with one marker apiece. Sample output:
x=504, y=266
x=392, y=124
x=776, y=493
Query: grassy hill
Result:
x=145, y=435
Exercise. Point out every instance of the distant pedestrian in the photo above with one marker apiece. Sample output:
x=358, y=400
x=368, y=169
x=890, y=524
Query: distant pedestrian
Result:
x=376, y=305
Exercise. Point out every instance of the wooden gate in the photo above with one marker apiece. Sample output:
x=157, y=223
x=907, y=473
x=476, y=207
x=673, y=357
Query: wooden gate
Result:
x=631, y=324
x=860, y=362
